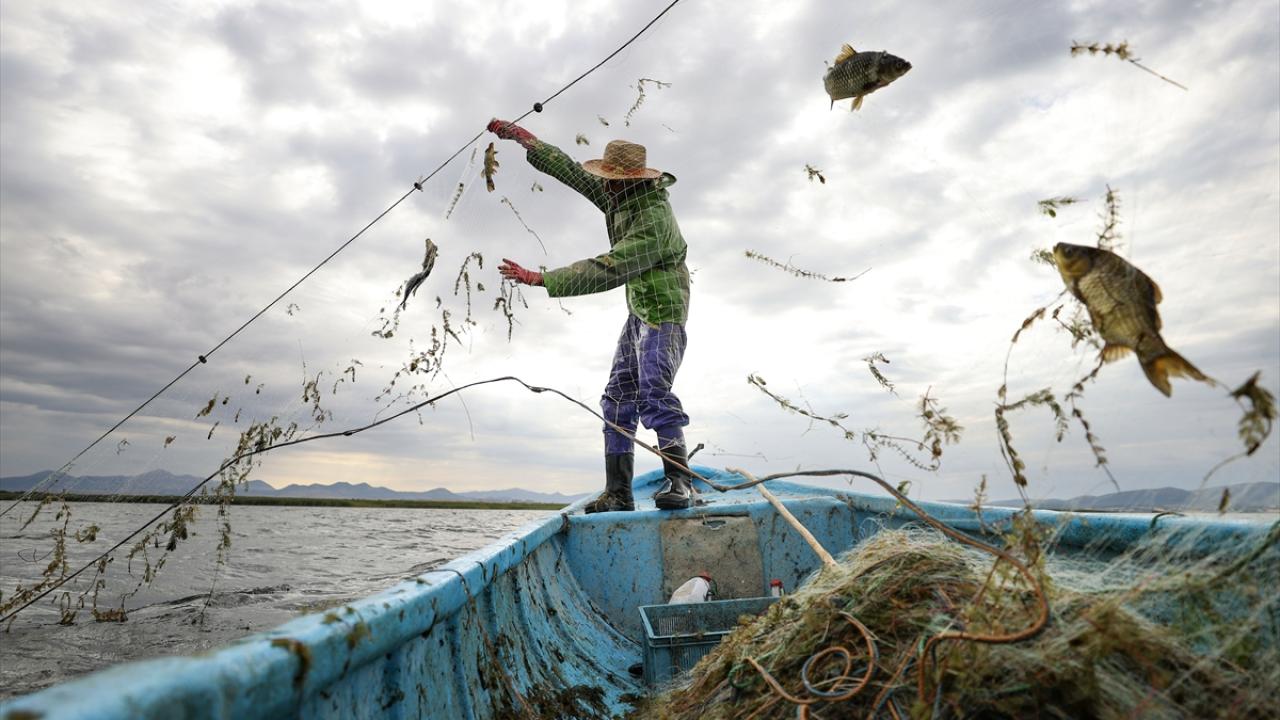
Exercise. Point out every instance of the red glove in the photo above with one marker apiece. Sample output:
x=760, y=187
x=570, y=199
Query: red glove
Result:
x=511, y=131
x=515, y=273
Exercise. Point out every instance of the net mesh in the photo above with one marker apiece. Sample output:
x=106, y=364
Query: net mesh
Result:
x=230, y=416
x=1127, y=635
x=1169, y=628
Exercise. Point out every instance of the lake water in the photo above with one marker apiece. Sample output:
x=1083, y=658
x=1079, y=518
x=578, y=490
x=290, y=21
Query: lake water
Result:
x=284, y=562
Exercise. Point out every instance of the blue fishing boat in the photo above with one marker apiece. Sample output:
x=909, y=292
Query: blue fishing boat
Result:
x=546, y=622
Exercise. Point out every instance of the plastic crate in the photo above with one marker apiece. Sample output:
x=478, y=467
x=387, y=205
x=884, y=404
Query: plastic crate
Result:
x=676, y=637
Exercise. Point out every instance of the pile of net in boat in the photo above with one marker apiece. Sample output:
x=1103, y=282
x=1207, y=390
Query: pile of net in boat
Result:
x=1163, y=631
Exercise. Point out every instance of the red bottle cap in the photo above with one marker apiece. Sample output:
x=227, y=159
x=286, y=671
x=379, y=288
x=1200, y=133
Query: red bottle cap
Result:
x=775, y=583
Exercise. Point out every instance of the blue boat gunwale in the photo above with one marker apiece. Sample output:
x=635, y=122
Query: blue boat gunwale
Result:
x=272, y=672
x=336, y=642
x=1119, y=531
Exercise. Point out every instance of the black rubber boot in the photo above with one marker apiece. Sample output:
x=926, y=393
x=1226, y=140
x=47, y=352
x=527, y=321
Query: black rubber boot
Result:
x=617, y=485
x=677, y=491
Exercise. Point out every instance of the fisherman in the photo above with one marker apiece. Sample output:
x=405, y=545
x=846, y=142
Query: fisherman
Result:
x=646, y=253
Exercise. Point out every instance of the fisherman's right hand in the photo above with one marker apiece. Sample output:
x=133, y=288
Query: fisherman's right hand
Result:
x=512, y=271
x=511, y=131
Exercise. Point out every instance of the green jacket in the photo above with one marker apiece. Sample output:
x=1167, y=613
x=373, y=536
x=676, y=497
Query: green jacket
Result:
x=646, y=251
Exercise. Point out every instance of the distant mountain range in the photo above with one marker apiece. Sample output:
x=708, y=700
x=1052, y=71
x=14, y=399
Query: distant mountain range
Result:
x=1245, y=497
x=161, y=482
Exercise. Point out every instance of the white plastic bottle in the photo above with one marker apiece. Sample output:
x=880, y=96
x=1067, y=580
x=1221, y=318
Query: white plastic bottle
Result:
x=694, y=590
x=775, y=588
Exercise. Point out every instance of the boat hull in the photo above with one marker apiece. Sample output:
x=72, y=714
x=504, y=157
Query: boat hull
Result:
x=545, y=620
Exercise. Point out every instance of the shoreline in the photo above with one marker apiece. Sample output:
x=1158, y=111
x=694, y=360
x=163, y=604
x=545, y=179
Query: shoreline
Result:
x=288, y=501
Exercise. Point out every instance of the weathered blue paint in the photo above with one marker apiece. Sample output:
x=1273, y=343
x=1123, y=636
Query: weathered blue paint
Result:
x=556, y=602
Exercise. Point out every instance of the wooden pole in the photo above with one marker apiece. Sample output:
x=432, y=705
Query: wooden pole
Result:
x=822, y=553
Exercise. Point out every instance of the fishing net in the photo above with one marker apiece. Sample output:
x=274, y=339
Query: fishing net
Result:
x=1166, y=629
x=442, y=305
x=439, y=317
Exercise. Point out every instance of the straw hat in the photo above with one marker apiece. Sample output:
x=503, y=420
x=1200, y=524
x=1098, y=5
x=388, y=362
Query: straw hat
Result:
x=622, y=161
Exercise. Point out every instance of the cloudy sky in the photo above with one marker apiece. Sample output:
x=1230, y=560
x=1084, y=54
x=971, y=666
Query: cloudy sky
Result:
x=169, y=168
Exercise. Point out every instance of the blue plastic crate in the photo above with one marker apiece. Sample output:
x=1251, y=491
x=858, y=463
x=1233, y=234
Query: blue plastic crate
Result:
x=676, y=637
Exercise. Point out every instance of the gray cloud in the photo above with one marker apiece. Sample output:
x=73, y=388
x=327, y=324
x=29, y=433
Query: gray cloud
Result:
x=160, y=188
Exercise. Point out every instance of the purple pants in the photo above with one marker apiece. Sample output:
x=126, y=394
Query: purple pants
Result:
x=639, y=387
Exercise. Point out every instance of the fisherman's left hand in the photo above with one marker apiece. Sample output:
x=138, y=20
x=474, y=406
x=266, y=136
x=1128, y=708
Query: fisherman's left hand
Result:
x=513, y=272
x=511, y=131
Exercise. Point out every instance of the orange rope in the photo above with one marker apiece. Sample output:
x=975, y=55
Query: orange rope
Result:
x=803, y=703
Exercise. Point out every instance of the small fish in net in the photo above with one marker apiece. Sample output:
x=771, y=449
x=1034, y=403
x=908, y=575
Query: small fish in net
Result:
x=490, y=166
x=428, y=262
